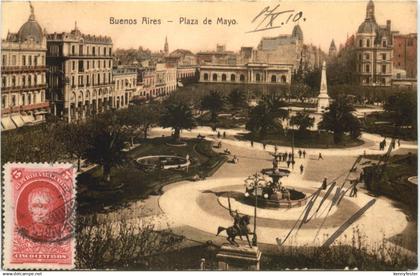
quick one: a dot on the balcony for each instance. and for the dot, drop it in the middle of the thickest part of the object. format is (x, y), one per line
(24, 88)
(22, 69)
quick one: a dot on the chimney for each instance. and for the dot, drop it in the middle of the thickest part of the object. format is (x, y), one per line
(388, 25)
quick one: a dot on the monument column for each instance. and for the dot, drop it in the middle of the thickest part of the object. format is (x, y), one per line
(323, 98)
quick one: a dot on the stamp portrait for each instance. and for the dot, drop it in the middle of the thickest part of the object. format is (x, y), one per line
(39, 213)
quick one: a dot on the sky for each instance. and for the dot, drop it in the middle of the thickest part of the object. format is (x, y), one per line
(324, 20)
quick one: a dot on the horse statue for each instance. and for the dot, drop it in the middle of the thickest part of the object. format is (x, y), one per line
(240, 228)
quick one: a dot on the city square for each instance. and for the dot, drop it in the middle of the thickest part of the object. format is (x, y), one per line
(275, 155)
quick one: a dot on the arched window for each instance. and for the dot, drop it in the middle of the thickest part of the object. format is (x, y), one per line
(257, 77)
(360, 43)
(242, 77)
(273, 78)
(283, 79)
(367, 68)
(223, 77)
(232, 77)
(214, 77)
(206, 76)
(368, 43)
(384, 43)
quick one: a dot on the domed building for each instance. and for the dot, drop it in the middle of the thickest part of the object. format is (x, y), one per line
(23, 99)
(374, 44)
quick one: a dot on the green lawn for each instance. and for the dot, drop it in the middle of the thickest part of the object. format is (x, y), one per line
(129, 182)
(226, 119)
(310, 139)
(381, 123)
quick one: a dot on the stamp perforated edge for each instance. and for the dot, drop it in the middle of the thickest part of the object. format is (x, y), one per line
(8, 222)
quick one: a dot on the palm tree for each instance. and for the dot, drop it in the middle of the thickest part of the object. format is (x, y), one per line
(105, 143)
(177, 116)
(213, 102)
(303, 121)
(237, 99)
(340, 119)
(265, 115)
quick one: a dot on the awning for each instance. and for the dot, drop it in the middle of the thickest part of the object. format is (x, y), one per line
(7, 123)
(28, 118)
(17, 119)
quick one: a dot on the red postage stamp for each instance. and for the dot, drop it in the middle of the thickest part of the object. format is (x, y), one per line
(39, 216)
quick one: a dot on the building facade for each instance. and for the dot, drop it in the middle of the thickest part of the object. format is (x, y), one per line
(23, 69)
(374, 51)
(257, 73)
(80, 74)
(125, 86)
(405, 54)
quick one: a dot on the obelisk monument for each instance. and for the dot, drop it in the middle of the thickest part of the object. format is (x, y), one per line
(323, 98)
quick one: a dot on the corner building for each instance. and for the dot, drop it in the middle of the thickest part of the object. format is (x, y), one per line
(80, 74)
(23, 86)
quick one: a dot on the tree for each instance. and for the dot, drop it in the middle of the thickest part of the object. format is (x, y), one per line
(74, 137)
(339, 119)
(106, 142)
(402, 109)
(213, 102)
(265, 115)
(300, 90)
(303, 121)
(177, 116)
(237, 99)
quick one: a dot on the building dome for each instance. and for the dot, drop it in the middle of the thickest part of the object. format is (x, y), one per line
(368, 27)
(31, 30)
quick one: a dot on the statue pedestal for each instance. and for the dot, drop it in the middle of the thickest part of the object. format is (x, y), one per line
(238, 258)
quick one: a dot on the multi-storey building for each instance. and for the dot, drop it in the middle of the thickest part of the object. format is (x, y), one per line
(405, 54)
(23, 86)
(80, 74)
(125, 85)
(374, 44)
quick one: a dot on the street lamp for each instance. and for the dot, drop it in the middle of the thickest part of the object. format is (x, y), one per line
(255, 182)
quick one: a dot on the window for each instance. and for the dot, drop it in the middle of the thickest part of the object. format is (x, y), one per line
(384, 56)
(368, 43)
(384, 43)
(88, 64)
(206, 76)
(257, 77)
(13, 60)
(367, 56)
(81, 69)
(283, 79)
(29, 98)
(384, 68)
(110, 51)
(223, 77)
(35, 80)
(214, 77)
(13, 100)
(367, 68)
(73, 65)
(273, 78)
(232, 77)
(23, 99)
(23, 81)
(3, 101)
(360, 56)
(3, 60)
(80, 50)
(242, 77)
(73, 50)
(109, 64)
(360, 43)
(30, 60)
(29, 80)
(104, 64)
(3, 81)
(94, 51)
(13, 81)
(104, 51)
(24, 60)
(35, 60)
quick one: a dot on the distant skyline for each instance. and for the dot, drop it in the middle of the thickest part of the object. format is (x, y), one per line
(324, 21)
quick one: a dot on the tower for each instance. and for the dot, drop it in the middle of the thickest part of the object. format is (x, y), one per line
(166, 47)
(323, 98)
(332, 51)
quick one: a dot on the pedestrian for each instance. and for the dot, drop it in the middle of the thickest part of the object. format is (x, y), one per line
(384, 141)
(218, 134)
(301, 169)
(300, 153)
(224, 134)
(252, 143)
(393, 144)
(290, 156)
(304, 154)
(288, 163)
(324, 183)
(264, 145)
(275, 149)
(364, 153)
(320, 156)
(399, 142)
(293, 164)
